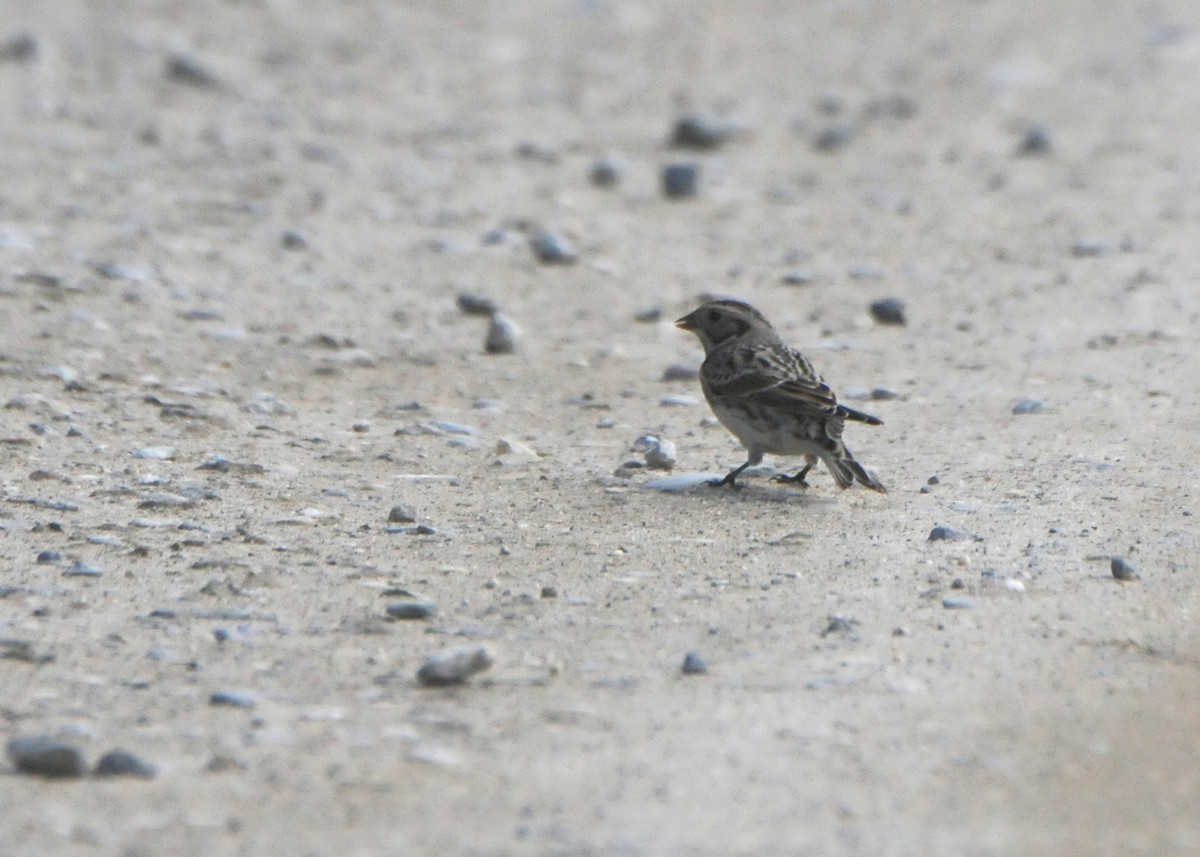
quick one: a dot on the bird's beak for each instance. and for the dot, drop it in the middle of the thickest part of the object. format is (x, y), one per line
(686, 323)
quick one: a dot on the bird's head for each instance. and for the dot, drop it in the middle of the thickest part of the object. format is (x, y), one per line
(718, 322)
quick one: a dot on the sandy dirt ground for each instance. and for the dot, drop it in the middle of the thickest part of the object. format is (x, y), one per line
(238, 228)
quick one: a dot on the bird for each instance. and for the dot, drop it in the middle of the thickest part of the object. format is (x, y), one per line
(770, 397)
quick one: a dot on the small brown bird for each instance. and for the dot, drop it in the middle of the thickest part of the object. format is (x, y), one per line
(770, 396)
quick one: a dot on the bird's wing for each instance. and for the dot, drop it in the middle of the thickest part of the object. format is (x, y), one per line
(780, 377)
(776, 377)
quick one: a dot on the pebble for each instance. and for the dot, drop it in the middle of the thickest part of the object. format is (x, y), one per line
(49, 556)
(678, 401)
(402, 515)
(471, 304)
(232, 698)
(411, 610)
(1028, 406)
(79, 568)
(889, 311)
(502, 335)
(680, 181)
(122, 763)
(449, 668)
(702, 132)
(1035, 142)
(186, 69)
(1085, 247)
(45, 756)
(833, 137)
(681, 372)
(661, 455)
(553, 249)
(20, 47)
(957, 603)
(839, 624)
(155, 453)
(949, 534)
(549, 591)
(648, 314)
(694, 664)
(605, 172)
(293, 239)
(797, 278)
(1123, 570)
(605, 423)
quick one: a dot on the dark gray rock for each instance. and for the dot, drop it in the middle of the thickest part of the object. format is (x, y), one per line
(1028, 406)
(702, 132)
(694, 664)
(889, 311)
(957, 603)
(232, 698)
(122, 763)
(403, 610)
(550, 248)
(1035, 142)
(402, 515)
(502, 335)
(834, 136)
(1123, 569)
(949, 534)
(605, 172)
(46, 757)
(680, 181)
(471, 304)
(450, 668)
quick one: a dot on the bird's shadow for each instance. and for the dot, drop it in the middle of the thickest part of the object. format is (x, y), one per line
(753, 490)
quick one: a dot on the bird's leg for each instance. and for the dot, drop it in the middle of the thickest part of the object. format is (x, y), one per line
(798, 479)
(730, 478)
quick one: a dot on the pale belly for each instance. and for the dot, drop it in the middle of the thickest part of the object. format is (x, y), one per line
(764, 430)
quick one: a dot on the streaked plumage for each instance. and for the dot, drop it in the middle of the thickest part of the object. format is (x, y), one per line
(770, 397)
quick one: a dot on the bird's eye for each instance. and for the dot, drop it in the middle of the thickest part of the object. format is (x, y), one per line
(713, 315)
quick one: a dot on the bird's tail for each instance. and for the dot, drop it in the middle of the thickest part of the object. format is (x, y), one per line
(846, 471)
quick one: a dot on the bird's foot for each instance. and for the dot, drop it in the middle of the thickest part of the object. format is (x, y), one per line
(798, 479)
(728, 480)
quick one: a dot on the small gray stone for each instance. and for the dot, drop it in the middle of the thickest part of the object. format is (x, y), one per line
(502, 335)
(702, 132)
(681, 372)
(20, 47)
(411, 610)
(680, 181)
(1123, 570)
(889, 311)
(293, 239)
(834, 136)
(1028, 406)
(839, 624)
(402, 515)
(1035, 142)
(549, 591)
(661, 455)
(648, 314)
(449, 668)
(49, 556)
(797, 278)
(678, 401)
(122, 763)
(957, 603)
(949, 534)
(551, 248)
(694, 664)
(605, 172)
(471, 304)
(232, 698)
(155, 453)
(186, 69)
(79, 568)
(45, 756)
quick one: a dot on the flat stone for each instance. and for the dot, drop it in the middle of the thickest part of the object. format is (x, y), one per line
(46, 757)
